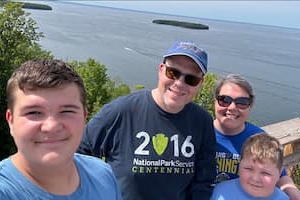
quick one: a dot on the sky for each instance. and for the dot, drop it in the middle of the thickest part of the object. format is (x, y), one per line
(275, 13)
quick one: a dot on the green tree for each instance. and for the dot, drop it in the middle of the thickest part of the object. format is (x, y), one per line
(117, 88)
(95, 78)
(2, 2)
(100, 88)
(205, 97)
(18, 42)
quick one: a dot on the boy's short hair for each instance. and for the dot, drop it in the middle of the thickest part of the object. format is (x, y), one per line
(42, 74)
(263, 148)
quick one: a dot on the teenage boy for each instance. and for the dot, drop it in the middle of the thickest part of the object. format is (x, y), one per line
(46, 115)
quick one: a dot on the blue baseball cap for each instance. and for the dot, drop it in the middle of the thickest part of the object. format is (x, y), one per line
(191, 50)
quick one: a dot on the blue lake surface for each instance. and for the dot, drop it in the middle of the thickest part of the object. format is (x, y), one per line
(131, 47)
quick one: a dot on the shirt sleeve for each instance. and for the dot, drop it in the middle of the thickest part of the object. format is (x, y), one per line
(205, 168)
(96, 139)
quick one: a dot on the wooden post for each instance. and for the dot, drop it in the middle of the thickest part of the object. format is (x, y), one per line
(288, 134)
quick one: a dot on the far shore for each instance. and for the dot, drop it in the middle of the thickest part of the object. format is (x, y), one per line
(182, 24)
(38, 6)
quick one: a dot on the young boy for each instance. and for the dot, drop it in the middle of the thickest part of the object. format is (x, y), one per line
(259, 171)
(46, 115)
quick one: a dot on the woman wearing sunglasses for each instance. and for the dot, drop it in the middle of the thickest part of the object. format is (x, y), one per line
(159, 143)
(234, 98)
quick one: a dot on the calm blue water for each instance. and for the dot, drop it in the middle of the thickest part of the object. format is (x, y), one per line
(131, 46)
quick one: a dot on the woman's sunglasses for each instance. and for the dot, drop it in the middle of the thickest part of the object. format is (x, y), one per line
(175, 74)
(240, 102)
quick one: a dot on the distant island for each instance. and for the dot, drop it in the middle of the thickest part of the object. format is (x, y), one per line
(181, 24)
(36, 6)
(28, 5)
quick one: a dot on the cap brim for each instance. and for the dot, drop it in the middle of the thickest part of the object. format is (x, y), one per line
(200, 65)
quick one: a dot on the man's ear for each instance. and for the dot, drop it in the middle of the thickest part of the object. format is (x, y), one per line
(203, 80)
(9, 119)
(161, 67)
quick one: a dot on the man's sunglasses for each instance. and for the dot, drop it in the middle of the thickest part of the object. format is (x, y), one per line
(240, 102)
(175, 74)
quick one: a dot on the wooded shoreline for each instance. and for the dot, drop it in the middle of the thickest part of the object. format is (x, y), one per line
(181, 24)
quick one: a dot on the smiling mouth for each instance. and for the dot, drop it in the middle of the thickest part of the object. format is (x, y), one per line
(50, 141)
(178, 93)
(230, 116)
(255, 186)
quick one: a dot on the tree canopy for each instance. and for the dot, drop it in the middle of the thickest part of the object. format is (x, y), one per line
(19, 38)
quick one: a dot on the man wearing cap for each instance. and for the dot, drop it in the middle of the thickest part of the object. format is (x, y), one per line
(159, 143)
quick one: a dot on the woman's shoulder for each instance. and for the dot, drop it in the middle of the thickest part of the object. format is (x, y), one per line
(280, 195)
(253, 129)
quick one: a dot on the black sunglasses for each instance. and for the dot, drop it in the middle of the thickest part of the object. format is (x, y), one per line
(175, 74)
(240, 102)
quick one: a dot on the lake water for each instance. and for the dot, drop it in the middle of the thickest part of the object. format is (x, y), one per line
(131, 47)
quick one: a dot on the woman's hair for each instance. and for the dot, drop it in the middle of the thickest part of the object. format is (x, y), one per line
(235, 79)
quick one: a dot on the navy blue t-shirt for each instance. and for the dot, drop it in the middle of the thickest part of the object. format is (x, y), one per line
(154, 154)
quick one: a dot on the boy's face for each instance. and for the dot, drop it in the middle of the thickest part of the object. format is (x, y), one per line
(47, 125)
(258, 179)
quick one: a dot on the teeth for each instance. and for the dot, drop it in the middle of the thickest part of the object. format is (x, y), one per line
(231, 116)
